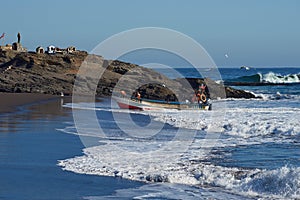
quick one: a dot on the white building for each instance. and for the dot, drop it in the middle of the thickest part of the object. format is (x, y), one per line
(51, 49)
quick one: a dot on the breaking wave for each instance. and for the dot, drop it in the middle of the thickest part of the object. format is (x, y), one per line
(194, 168)
(108, 160)
(277, 78)
(268, 78)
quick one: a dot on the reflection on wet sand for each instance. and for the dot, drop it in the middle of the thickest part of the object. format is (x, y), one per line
(49, 109)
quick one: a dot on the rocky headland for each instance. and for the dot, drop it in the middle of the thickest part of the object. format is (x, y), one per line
(29, 72)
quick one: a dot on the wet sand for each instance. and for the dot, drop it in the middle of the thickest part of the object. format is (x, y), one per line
(31, 143)
(9, 102)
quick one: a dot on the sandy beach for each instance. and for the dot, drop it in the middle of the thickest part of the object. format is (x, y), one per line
(10, 101)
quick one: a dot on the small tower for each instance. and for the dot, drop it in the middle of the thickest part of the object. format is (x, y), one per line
(19, 37)
(17, 46)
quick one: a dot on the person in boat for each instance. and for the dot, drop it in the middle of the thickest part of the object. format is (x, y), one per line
(202, 94)
(204, 89)
(123, 93)
(139, 96)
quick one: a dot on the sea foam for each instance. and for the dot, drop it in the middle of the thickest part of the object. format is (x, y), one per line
(128, 158)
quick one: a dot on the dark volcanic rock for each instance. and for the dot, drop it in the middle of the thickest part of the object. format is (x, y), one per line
(55, 74)
(38, 73)
(218, 90)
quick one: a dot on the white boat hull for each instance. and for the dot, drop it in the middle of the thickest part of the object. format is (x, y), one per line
(143, 104)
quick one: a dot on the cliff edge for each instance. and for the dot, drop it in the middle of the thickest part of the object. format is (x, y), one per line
(55, 74)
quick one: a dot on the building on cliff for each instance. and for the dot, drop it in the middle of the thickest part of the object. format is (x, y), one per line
(7, 47)
(39, 50)
(71, 49)
(51, 49)
(18, 47)
(14, 47)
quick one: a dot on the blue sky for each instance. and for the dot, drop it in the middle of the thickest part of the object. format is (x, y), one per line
(252, 32)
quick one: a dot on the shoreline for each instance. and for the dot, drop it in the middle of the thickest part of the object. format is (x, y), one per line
(31, 145)
(9, 102)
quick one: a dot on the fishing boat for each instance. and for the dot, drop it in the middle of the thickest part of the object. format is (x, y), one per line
(148, 104)
(245, 67)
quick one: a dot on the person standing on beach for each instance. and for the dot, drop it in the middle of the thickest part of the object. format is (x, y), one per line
(19, 37)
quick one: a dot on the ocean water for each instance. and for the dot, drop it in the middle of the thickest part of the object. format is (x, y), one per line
(30, 147)
(287, 78)
(242, 149)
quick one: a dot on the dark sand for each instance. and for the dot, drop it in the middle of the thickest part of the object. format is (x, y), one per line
(10, 101)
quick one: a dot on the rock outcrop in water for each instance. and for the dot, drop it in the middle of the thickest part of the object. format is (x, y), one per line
(55, 74)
